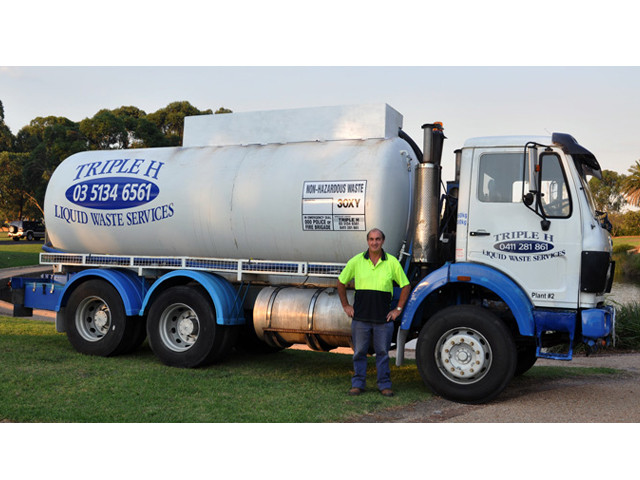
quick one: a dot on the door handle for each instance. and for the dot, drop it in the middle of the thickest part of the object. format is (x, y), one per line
(480, 234)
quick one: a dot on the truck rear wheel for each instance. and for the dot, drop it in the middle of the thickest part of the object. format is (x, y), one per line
(466, 354)
(96, 322)
(182, 329)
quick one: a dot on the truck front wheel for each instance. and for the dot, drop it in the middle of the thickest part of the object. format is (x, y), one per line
(96, 322)
(466, 354)
(182, 328)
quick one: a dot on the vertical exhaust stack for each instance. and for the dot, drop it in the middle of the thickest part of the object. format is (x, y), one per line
(427, 196)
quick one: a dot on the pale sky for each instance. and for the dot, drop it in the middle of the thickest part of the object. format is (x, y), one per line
(599, 106)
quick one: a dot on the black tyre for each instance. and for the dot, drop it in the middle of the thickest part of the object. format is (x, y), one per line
(16, 239)
(526, 357)
(30, 236)
(466, 354)
(96, 323)
(182, 328)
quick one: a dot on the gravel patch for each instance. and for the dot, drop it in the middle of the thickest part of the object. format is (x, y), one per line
(607, 398)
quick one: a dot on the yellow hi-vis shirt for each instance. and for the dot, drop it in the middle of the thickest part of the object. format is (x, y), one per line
(373, 284)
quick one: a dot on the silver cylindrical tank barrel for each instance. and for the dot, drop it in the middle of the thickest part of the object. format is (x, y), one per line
(306, 201)
(286, 316)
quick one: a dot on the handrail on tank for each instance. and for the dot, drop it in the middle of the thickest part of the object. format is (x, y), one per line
(225, 265)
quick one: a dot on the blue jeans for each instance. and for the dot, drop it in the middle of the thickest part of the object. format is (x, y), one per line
(361, 334)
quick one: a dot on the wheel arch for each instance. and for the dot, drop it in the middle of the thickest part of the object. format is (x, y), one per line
(224, 297)
(452, 276)
(129, 286)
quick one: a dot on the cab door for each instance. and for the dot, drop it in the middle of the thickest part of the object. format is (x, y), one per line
(539, 246)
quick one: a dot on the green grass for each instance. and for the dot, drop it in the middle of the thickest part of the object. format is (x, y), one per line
(18, 254)
(43, 379)
(633, 241)
(628, 326)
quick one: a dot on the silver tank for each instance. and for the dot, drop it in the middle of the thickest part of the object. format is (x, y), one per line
(285, 316)
(308, 200)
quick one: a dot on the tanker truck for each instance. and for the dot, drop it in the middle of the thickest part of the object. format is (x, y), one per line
(236, 240)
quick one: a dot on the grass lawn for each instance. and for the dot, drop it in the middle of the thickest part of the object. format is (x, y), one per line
(43, 380)
(633, 241)
(18, 254)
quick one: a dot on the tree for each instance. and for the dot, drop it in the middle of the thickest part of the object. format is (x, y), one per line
(607, 193)
(47, 141)
(625, 224)
(16, 202)
(7, 140)
(104, 131)
(170, 120)
(142, 133)
(631, 185)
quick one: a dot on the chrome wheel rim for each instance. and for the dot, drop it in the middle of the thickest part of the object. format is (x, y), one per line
(179, 327)
(93, 319)
(463, 355)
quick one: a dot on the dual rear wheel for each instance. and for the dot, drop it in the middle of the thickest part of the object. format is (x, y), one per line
(96, 322)
(182, 329)
(181, 325)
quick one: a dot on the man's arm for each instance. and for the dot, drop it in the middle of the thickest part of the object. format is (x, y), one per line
(404, 296)
(342, 293)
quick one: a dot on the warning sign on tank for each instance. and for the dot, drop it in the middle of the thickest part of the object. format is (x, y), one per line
(334, 205)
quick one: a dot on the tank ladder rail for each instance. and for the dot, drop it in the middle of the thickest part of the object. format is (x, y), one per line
(220, 265)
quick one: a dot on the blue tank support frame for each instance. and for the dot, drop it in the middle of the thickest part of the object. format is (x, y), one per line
(136, 292)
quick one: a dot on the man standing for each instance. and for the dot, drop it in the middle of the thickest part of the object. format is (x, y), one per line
(374, 272)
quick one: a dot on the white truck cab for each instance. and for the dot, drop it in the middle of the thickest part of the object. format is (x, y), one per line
(548, 247)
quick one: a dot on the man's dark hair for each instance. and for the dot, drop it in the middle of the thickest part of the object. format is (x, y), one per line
(375, 230)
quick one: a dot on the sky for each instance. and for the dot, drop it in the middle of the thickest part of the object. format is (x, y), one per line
(599, 106)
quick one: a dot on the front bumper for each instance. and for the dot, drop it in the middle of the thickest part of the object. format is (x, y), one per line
(598, 325)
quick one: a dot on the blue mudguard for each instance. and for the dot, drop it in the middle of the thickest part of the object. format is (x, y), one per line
(130, 286)
(481, 275)
(225, 298)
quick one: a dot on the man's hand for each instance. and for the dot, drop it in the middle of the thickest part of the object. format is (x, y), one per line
(393, 315)
(348, 309)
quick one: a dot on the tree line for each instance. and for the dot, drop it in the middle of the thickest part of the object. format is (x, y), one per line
(614, 193)
(28, 158)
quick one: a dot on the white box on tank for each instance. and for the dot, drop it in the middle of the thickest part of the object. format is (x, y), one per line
(354, 122)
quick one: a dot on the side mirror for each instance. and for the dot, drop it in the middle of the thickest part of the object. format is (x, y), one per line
(532, 162)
